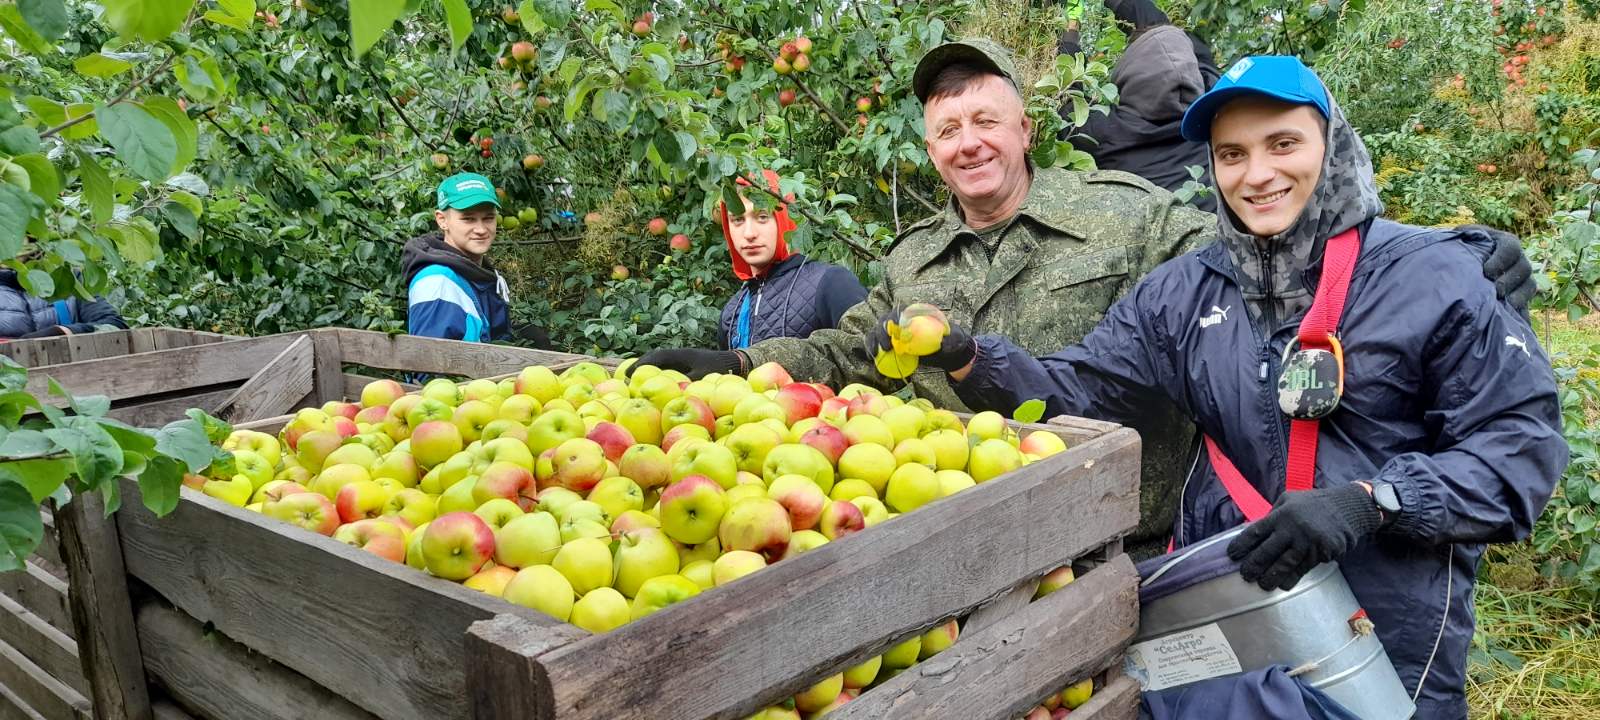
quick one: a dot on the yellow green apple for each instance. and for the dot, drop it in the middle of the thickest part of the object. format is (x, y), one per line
(601, 610)
(542, 588)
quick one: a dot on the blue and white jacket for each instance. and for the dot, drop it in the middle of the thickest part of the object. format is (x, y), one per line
(451, 296)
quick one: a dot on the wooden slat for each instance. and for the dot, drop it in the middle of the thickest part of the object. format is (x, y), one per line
(50, 545)
(1118, 700)
(382, 635)
(41, 593)
(167, 337)
(432, 355)
(142, 340)
(101, 611)
(503, 679)
(13, 708)
(216, 677)
(328, 371)
(52, 650)
(162, 371)
(999, 672)
(164, 710)
(274, 389)
(156, 413)
(46, 695)
(713, 657)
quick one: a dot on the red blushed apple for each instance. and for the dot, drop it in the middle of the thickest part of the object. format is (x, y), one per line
(280, 492)
(822, 390)
(685, 410)
(372, 415)
(834, 408)
(614, 439)
(360, 500)
(867, 404)
(505, 480)
(309, 510)
(679, 432)
(193, 481)
(345, 426)
(769, 376)
(801, 498)
(758, 524)
(337, 408)
(799, 401)
(828, 439)
(840, 519)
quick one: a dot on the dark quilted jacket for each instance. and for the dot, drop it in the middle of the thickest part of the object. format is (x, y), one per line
(797, 297)
(22, 313)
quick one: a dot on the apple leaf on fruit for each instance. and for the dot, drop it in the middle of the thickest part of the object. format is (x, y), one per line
(20, 525)
(186, 441)
(1029, 412)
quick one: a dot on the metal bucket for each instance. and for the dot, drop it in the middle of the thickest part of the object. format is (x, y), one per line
(1222, 625)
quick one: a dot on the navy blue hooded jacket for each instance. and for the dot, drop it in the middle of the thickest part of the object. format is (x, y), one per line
(452, 297)
(795, 298)
(1448, 396)
(22, 313)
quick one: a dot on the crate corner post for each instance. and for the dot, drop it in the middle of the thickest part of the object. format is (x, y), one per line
(102, 611)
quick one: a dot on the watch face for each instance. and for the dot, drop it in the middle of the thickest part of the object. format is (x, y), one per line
(1384, 495)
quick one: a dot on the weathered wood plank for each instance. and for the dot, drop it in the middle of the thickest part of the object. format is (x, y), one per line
(997, 673)
(328, 366)
(1000, 607)
(218, 678)
(1118, 700)
(502, 678)
(167, 337)
(157, 413)
(46, 695)
(13, 708)
(382, 635)
(41, 593)
(162, 371)
(432, 355)
(50, 545)
(916, 571)
(102, 614)
(93, 346)
(164, 710)
(52, 650)
(274, 389)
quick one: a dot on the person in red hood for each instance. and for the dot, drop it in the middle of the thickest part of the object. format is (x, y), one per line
(784, 294)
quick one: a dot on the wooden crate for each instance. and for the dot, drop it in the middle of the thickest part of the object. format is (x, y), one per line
(152, 376)
(235, 615)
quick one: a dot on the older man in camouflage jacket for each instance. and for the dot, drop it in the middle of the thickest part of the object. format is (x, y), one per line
(1035, 254)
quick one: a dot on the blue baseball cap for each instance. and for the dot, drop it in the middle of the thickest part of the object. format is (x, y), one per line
(465, 190)
(1282, 77)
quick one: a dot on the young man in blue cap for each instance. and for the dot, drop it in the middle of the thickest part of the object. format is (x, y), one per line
(452, 290)
(1364, 395)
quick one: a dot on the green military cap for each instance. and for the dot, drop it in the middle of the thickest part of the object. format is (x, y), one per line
(982, 52)
(465, 190)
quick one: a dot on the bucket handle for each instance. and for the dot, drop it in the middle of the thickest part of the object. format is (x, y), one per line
(1191, 550)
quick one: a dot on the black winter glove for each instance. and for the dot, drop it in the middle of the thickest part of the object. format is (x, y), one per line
(955, 351)
(1304, 530)
(694, 362)
(1507, 267)
(51, 331)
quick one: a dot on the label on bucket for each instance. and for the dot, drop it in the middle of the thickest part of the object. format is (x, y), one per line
(1181, 658)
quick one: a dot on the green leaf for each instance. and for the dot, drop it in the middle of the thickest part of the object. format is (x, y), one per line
(87, 128)
(159, 484)
(1029, 412)
(20, 526)
(131, 439)
(370, 19)
(188, 200)
(185, 440)
(16, 207)
(459, 18)
(216, 429)
(19, 30)
(234, 13)
(101, 65)
(166, 110)
(569, 69)
(37, 282)
(578, 93)
(532, 21)
(143, 143)
(182, 219)
(200, 77)
(606, 6)
(46, 17)
(96, 187)
(25, 443)
(97, 457)
(136, 240)
(42, 176)
(148, 20)
(19, 140)
(40, 476)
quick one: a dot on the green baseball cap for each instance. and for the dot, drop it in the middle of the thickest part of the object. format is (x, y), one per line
(465, 190)
(982, 52)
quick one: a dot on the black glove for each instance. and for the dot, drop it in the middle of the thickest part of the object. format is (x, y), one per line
(51, 331)
(694, 362)
(1304, 530)
(1507, 266)
(955, 351)
(533, 335)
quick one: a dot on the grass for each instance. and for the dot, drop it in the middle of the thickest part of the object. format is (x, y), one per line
(1536, 652)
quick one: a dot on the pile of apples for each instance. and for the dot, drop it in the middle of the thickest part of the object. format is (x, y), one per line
(1062, 704)
(599, 498)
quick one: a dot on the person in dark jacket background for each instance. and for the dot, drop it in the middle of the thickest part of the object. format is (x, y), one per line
(452, 291)
(1444, 433)
(23, 315)
(1161, 71)
(784, 294)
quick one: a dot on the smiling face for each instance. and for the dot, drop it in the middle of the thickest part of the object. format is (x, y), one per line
(978, 141)
(470, 231)
(755, 235)
(1267, 157)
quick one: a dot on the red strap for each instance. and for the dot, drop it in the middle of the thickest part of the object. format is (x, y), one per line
(1322, 320)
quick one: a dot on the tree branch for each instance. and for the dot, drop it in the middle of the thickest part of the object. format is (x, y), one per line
(121, 97)
(397, 109)
(814, 220)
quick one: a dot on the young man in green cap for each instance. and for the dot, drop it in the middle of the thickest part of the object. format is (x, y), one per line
(452, 290)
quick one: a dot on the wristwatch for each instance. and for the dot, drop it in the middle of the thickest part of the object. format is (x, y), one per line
(1387, 500)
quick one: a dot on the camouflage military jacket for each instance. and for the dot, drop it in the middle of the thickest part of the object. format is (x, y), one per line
(1080, 241)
